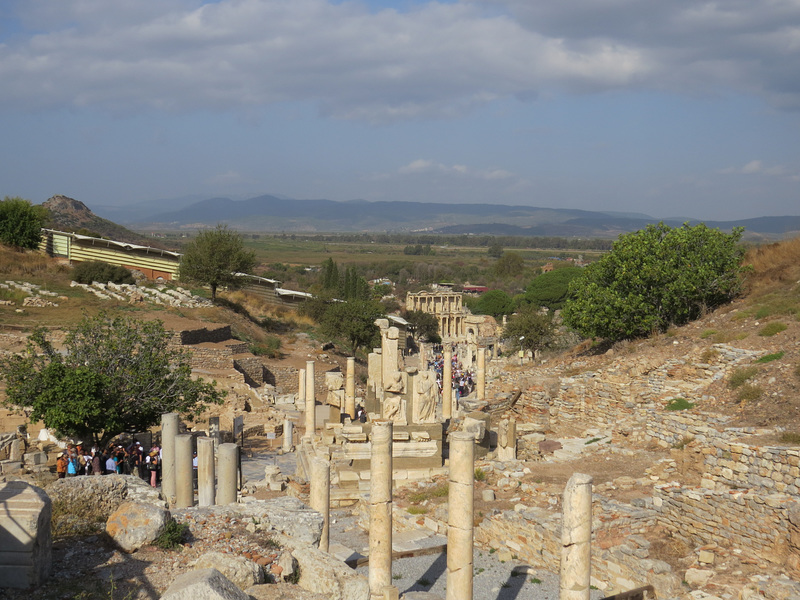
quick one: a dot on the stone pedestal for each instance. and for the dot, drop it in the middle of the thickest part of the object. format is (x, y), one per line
(350, 388)
(480, 374)
(460, 517)
(288, 436)
(380, 507)
(169, 429)
(311, 401)
(25, 542)
(576, 536)
(447, 386)
(321, 496)
(227, 488)
(507, 440)
(184, 472)
(206, 472)
(213, 431)
(15, 451)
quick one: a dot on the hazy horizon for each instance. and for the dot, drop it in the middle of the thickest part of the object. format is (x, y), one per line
(672, 108)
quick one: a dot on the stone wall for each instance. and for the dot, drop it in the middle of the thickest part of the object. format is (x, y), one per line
(199, 336)
(743, 519)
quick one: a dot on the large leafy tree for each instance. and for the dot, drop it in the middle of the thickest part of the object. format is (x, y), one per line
(530, 329)
(551, 289)
(214, 257)
(353, 321)
(21, 223)
(118, 374)
(425, 325)
(494, 302)
(654, 278)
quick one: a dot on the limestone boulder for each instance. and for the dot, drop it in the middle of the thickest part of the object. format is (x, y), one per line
(104, 494)
(290, 517)
(203, 584)
(242, 572)
(135, 524)
(698, 577)
(282, 591)
(323, 574)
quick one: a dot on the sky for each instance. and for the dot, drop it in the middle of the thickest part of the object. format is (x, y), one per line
(672, 108)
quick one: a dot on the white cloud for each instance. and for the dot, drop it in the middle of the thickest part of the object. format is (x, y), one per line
(436, 60)
(425, 166)
(757, 167)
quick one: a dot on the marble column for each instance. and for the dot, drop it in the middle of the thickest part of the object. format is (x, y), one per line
(389, 352)
(480, 373)
(169, 429)
(184, 488)
(576, 536)
(288, 436)
(460, 516)
(311, 401)
(321, 496)
(301, 387)
(380, 507)
(206, 472)
(447, 385)
(350, 388)
(228, 474)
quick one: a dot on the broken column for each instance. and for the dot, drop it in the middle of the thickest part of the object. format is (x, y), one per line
(321, 496)
(447, 385)
(380, 507)
(390, 338)
(25, 539)
(206, 472)
(311, 402)
(481, 374)
(227, 488)
(169, 429)
(184, 488)
(301, 387)
(350, 388)
(213, 431)
(576, 535)
(288, 436)
(460, 518)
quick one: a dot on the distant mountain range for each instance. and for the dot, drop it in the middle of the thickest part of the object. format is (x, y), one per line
(274, 214)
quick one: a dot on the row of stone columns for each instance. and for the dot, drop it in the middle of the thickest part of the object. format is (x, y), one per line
(576, 530)
(214, 486)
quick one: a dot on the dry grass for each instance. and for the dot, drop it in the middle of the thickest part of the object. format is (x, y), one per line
(28, 263)
(774, 266)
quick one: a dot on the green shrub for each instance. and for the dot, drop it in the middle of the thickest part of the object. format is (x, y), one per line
(679, 404)
(708, 355)
(592, 441)
(417, 510)
(271, 348)
(749, 393)
(773, 328)
(172, 536)
(87, 272)
(770, 357)
(740, 376)
(708, 333)
(480, 474)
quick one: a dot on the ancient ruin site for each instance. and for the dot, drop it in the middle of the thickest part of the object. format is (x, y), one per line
(665, 467)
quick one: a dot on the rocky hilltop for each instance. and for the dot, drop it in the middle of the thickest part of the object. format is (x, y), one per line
(68, 214)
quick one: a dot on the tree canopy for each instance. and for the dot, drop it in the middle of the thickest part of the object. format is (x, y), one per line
(118, 374)
(21, 223)
(353, 321)
(214, 257)
(494, 302)
(529, 329)
(550, 289)
(425, 325)
(654, 278)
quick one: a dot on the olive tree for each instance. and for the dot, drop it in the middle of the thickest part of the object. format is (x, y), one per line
(214, 257)
(118, 374)
(654, 278)
(21, 223)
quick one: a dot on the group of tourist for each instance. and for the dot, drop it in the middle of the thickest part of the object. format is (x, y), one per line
(78, 459)
(463, 380)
